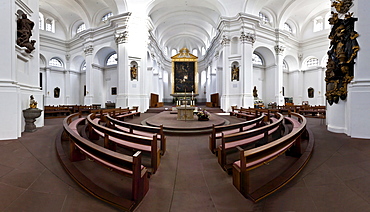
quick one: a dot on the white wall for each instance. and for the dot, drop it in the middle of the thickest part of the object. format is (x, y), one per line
(259, 82)
(111, 80)
(75, 91)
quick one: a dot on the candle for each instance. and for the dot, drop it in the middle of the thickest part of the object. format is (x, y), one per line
(192, 95)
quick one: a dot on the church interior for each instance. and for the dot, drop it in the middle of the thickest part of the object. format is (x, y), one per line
(160, 105)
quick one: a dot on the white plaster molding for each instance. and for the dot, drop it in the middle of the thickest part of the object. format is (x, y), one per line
(96, 66)
(248, 37)
(24, 7)
(279, 49)
(225, 40)
(88, 50)
(121, 37)
(22, 54)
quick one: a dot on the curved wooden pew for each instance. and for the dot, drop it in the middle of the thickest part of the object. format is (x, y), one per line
(126, 140)
(260, 134)
(259, 156)
(126, 165)
(218, 131)
(247, 113)
(138, 129)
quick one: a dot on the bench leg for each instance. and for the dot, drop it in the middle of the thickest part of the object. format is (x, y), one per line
(109, 144)
(74, 152)
(156, 160)
(295, 150)
(221, 154)
(163, 145)
(244, 183)
(212, 145)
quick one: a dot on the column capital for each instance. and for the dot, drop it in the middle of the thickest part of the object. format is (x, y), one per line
(248, 37)
(225, 40)
(88, 50)
(121, 37)
(279, 49)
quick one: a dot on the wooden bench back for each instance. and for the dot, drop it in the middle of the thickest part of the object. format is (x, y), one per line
(139, 127)
(216, 129)
(252, 155)
(121, 135)
(253, 132)
(117, 162)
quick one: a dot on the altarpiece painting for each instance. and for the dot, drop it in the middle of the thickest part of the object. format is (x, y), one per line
(184, 72)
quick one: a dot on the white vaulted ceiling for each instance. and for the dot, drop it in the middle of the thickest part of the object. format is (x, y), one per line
(185, 23)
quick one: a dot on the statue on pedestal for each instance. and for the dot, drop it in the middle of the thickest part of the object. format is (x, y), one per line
(24, 33)
(33, 103)
(30, 114)
(255, 94)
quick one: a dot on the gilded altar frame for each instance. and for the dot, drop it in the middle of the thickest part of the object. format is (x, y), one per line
(184, 72)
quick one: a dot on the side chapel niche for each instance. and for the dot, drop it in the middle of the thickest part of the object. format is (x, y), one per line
(235, 71)
(134, 70)
(342, 52)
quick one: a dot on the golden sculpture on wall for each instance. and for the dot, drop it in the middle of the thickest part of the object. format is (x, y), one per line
(133, 72)
(235, 73)
(184, 72)
(342, 52)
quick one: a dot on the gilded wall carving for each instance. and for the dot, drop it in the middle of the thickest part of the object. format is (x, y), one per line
(342, 52)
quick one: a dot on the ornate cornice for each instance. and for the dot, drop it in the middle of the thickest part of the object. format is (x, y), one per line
(249, 37)
(88, 50)
(96, 66)
(121, 37)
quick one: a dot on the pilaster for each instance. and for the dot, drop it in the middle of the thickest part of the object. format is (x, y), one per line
(122, 69)
(247, 40)
(226, 75)
(88, 50)
(279, 50)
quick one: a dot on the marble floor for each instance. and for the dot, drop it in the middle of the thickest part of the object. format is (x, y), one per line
(337, 178)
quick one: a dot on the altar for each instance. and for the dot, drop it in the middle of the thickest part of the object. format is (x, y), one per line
(185, 113)
(184, 98)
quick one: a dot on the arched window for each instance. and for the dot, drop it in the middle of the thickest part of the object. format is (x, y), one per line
(112, 59)
(285, 66)
(318, 24)
(173, 52)
(83, 66)
(41, 21)
(203, 51)
(264, 17)
(106, 16)
(49, 25)
(312, 62)
(55, 62)
(195, 52)
(287, 27)
(81, 28)
(256, 59)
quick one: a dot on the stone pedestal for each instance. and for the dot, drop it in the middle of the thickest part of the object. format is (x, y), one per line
(30, 116)
(185, 113)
